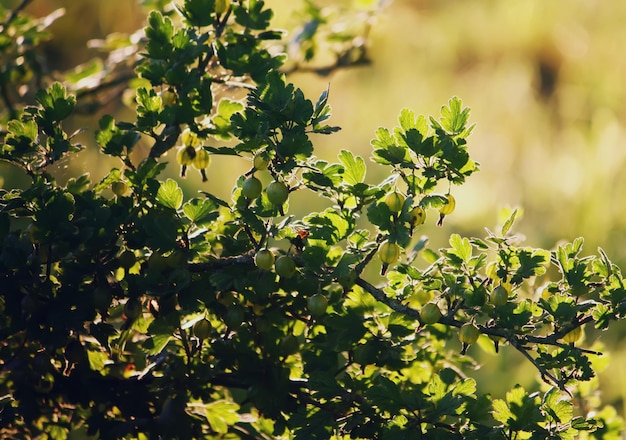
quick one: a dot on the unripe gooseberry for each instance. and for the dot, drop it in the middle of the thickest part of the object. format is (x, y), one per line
(277, 193)
(430, 313)
(264, 259)
(573, 336)
(389, 252)
(251, 188)
(285, 266)
(317, 304)
(202, 329)
(499, 295)
(190, 139)
(395, 201)
(417, 216)
(202, 159)
(185, 155)
(119, 187)
(469, 333)
(132, 309)
(261, 161)
(448, 207)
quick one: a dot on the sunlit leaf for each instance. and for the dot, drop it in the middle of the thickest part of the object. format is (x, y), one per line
(197, 209)
(354, 167)
(169, 194)
(221, 414)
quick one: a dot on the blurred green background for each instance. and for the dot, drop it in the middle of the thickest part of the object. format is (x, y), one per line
(546, 84)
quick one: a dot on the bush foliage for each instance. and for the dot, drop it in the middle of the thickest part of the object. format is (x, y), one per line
(129, 310)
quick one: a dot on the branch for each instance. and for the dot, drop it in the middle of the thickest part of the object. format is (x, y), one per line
(167, 139)
(392, 303)
(247, 259)
(546, 376)
(122, 79)
(13, 15)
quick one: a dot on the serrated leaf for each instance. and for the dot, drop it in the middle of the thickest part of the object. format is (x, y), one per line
(221, 414)
(354, 167)
(383, 138)
(222, 120)
(26, 129)
(433, 201)
(501, 411)
(329, 226)
(462, 247)
(436, 388)
(169, 194)
(197, 209)
(560, 410)
(453, 116)
(466, 388)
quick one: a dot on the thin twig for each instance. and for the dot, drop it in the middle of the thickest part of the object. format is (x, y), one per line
(13, 15)
(105, 85)
(545, 374)
(392, 303)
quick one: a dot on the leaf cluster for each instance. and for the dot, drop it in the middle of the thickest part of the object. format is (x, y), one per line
(102, 283)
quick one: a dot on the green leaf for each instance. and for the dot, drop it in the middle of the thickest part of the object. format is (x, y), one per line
(27, 129)
(461, 246)
(559, 410)
(354, 167)
(57, 210)
(508, 223)
(330, 175)
(198, 13)
(156, 343)
(384, 144)
(55, 102)
(159, 32)
(430, 256)
(501, 411)
(294, 144)
(221, 414)
(222, 120)
(78, 185)
(466, 388)
(97, 360)
(531, 263)
(408, 121)
(379, 214)
(148, 101)
(329, 226)
(86, 74)
(253, 16)
(454, 116)
(321, 111)
(169, 194)
(198, 210)
(112, 139)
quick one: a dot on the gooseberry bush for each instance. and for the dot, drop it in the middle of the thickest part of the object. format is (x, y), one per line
(131, 311)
